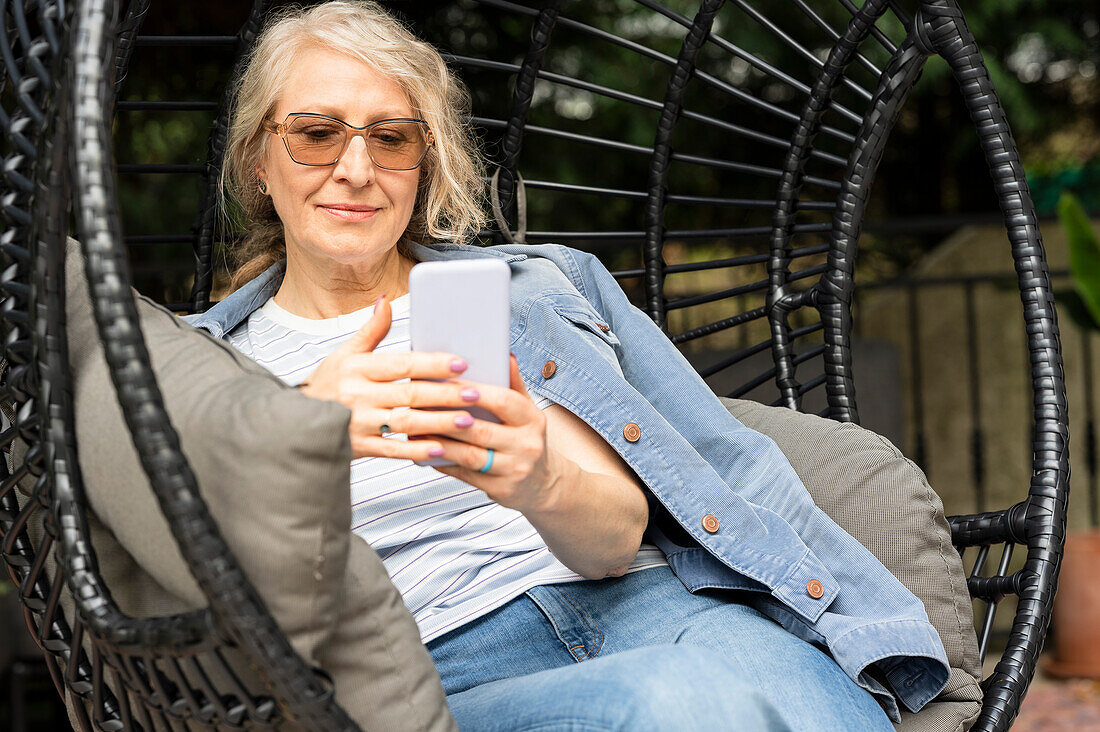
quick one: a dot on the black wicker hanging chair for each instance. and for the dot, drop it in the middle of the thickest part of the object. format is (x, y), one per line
(814, 139)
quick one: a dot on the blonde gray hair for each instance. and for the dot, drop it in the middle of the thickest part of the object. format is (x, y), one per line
(449, 204)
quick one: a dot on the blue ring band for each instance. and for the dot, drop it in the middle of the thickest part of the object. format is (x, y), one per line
(488, 464)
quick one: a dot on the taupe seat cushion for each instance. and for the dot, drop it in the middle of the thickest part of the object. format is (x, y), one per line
(273, 467)
(882, 499)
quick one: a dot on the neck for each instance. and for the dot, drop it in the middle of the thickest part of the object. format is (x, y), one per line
(318, 289)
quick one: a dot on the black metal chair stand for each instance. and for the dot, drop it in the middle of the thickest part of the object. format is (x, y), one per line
(818, 155)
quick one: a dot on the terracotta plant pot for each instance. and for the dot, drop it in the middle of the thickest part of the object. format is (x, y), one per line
(1077, 608)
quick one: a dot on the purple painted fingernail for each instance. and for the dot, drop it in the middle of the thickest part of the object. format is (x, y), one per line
(436, 452)
(469, 395)
(464, 420)
(458, 365)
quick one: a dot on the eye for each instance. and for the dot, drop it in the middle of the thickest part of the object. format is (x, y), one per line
(318, 132)
(389, 136)
(314, 131)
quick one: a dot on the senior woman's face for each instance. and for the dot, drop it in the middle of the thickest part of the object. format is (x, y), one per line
(352, 210)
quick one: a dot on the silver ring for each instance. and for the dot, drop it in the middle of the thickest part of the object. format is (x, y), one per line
(489, 464)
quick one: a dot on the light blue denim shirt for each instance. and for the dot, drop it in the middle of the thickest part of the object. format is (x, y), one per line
(616, 368)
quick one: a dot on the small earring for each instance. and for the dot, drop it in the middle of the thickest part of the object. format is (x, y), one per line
(263, 187)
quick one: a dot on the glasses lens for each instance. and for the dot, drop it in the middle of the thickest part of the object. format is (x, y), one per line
(397, 145)
(315, 140)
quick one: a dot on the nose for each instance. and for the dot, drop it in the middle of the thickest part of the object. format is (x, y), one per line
(355, 165)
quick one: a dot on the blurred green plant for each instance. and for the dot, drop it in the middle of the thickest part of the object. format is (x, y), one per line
(1048, 184)
(1082, 304)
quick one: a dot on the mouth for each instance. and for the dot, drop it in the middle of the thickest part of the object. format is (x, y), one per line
(348, 212)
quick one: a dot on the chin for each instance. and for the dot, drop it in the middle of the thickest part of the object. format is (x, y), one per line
(351, 249)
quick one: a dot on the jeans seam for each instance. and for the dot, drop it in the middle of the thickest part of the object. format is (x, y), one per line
(585, 618)
(559, 630)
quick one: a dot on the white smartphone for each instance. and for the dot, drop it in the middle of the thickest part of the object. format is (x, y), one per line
(463, 307)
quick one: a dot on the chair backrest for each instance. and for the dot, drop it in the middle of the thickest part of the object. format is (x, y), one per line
(752, 137)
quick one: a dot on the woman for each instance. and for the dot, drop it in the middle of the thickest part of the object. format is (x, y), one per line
(524, 564)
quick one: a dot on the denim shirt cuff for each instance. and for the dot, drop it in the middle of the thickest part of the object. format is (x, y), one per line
(916, 668)
(808, 588)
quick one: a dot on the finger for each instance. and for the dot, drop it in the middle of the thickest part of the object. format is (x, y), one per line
(415, 423)
(368, 337)
(376, 446)
(512, 407)
(516, 452)
(475, 458)
(420, 394)
(408, 365)
(483, 434)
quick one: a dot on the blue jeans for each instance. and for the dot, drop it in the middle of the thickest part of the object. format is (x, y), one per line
(641, 653)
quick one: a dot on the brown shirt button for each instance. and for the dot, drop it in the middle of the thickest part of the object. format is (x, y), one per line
(815, 589)
(710, 523)
(548, 369)
(632, 432)
(602, 327)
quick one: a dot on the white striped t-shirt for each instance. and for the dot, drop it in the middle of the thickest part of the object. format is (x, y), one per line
(452, 553)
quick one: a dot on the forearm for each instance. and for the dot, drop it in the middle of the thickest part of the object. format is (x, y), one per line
(593, 523)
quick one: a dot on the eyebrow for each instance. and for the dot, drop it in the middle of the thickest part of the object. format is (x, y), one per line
(333, 112)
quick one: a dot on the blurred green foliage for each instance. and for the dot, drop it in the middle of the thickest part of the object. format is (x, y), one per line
(1084, 262)
(1047, 188)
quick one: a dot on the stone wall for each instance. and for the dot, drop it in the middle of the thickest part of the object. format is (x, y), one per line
(1004, 390)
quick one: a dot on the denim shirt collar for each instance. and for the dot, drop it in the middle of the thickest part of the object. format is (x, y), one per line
(226, 315)
(438, 252)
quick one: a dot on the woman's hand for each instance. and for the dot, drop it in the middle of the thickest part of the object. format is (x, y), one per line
(583, 499)
(590, 508)
(369, 385)
(524, 474)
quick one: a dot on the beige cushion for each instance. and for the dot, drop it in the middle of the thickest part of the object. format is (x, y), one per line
(273, 467)
(882, 499)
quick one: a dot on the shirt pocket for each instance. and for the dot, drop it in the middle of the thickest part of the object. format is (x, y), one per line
(587, 319)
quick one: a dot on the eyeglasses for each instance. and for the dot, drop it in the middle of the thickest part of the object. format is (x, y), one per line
(317, 139)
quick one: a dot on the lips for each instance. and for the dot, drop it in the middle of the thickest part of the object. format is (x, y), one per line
(348, 212)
